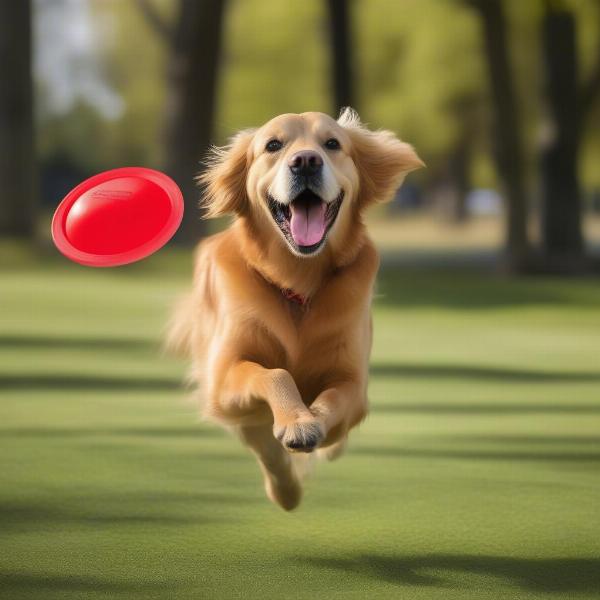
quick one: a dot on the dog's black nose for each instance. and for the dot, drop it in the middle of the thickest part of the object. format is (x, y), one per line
(305, 162)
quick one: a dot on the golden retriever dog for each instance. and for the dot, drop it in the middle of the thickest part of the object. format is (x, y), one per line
(278, 324)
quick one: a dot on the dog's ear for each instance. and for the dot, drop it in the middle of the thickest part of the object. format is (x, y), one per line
(224, 179)
(381, 158)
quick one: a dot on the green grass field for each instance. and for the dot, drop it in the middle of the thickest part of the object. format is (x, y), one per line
(475, 476)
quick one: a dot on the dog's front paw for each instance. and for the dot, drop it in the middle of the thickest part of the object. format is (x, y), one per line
(300, 436)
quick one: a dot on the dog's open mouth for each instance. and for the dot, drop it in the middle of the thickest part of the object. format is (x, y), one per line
(306, 221)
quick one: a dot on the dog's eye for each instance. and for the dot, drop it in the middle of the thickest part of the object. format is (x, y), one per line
(273, 146)
(332, 144)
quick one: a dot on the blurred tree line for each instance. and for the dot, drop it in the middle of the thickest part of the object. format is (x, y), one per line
(494, 93)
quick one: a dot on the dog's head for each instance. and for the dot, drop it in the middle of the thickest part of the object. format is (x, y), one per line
(306, 176)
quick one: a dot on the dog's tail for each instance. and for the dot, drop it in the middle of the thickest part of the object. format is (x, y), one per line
(179, 331)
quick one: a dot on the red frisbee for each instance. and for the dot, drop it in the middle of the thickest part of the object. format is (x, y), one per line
(117, 217)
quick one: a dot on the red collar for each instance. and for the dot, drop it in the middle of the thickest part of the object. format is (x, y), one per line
(292, 296)
(288, 293)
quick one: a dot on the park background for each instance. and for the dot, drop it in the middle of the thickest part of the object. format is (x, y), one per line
(476, 474)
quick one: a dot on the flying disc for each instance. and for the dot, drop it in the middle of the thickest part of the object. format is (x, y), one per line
(117, 217)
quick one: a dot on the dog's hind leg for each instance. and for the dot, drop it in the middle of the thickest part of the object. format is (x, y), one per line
(334, 451)
(282, 484)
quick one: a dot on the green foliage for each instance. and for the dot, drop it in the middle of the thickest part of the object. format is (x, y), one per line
(135, 66)
(420, 71)
(588, 25)
(416, 59)
(275, 61)
(138, 70)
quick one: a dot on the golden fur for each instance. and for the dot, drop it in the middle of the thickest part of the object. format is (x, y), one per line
(287, 378)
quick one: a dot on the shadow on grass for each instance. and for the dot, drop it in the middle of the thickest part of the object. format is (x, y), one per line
(500, 438)
(473, 408)
(115, 510)
(76, 343)
(48, 582)
(477, 454)
(487, 373)
(37, 381)
(564, 575)
(26, 518)
(70, 432)
(461, 290)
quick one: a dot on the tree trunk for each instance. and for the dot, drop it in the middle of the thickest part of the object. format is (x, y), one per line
(192, 73)
(17, 160)
(508, 150)
(340, 35)
(561, 198)
(459, 171)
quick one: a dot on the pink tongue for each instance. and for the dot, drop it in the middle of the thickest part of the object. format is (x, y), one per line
(308, 223)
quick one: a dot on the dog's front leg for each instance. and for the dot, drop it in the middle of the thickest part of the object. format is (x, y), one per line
(339, 409)
(247, 384)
